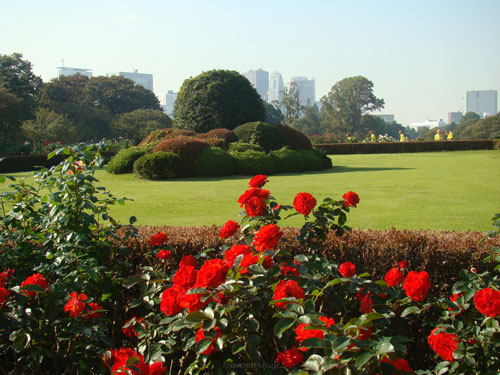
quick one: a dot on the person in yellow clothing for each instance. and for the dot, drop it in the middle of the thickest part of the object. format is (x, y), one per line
(402, 137)
(449, 135)
(373, 137)
(439, 136)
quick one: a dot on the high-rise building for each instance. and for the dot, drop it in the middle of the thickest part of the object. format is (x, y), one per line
(143, 79)
(454, 117)
(307, 90)
(276, 87)
(67, 71)
(482, 102)
(169, 102)
(259, 80)
(386, 118)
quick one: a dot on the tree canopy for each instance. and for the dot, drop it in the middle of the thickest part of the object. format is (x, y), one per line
(273, 114)
(10, 112)
(291, 103)
(217, 99)
(138, 124)
(347, 101)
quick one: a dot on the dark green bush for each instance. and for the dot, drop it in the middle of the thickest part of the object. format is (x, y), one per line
(188, 148)
(158, 166)
(242, 147)
(253, 162)
(296, 139)
(325, 160)
(267, 136)
(288, 160)
(123, 162)
(214, 162)
(312, 162)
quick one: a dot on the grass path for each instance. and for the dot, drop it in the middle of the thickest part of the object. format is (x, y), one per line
(440, 190)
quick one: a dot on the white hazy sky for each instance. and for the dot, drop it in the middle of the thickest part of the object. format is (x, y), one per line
(422, 56)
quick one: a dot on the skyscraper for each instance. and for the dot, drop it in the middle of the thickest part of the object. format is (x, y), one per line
(259, 80)
(307, 90)
(276, 87)
(482, 102)
(143, 79)
(169, 102)
(67, 71)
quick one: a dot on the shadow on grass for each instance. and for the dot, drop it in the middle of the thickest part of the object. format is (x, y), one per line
(343, 169)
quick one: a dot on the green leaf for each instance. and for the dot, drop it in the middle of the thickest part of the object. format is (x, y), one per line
(132, 220)
(130, 282)
(282, 326)
(203, 345)
(363, 358)
(21, 340)
(313, 362)
(410, 310)
(196, 316)
(314, 342)
(238, 346)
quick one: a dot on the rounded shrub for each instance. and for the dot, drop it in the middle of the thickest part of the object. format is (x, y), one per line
(123, 161)
(217, 99)
(288, 160)
(296, 139)
(227, 135)
(159, 135)
(265, 135)
(312, 162)
(325, 160)
(188, 148)
(242, 147)
(158, 166)
(253, 162)
(214, 162)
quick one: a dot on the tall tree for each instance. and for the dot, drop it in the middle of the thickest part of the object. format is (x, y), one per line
(290, 103)
(138, 124)
(17, 76)
(273, 113)
(310, 122)
(10, 113)
(347, 101)
(60, 92)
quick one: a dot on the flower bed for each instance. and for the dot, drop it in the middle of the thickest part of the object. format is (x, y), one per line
(75, 297)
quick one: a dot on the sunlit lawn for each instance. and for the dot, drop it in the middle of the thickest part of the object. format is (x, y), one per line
(440, 190)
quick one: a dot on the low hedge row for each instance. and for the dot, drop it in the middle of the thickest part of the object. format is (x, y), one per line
(25, 163)
(399, 147)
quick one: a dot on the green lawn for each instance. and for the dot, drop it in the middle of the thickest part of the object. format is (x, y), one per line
(441, 190)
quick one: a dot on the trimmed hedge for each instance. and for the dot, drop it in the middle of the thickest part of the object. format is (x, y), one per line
(225, 134)
(214, 162)
(253, 162)
(242, 147)
(288, 160)
(325, 160)
(398, 147)
(265, 135)
(296, 139)
(312, 162)
(158, 166)
(123, 162)
(187, 148)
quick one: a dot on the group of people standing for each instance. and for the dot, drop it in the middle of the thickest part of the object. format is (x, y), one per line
(440, 136)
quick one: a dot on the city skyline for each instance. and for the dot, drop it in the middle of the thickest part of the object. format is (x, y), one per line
(422, 57)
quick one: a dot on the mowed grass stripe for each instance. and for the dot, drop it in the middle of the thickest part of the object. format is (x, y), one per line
(438, 191)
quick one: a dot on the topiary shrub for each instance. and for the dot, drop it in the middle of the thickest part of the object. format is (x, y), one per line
(160, 135)
(288, 160)
(242, 147)
(158, 166)
(267, 136)
(225, 134)
(214, 162)
(312, 162)
(123, 161)
(187, 148)
(325, 160)
(296, 139)
(253, 162)
(217, 99)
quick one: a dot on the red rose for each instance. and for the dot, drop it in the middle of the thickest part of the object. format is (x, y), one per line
(157, 368)
(231, 254)
(417, 285)
(400, 364)
(4, 276)
(170, 301)
(250, 259)
(193, 302)
(394, 277)
(75, 305)
(255, 206)
(303, 333)
(286, 289)
(90, 314)
(365, 332)
(328, 321)
(211, 274)
(403, 264)
(122, 356)
(291, 357)
(185, 277)
(347, 269)
(36, 279)
(164, 254)
(454, 298)
(4, 296)
(258, 181)
(287, 270)
(188, 260)
(200, 335)
(351, 199)
(304, 203)
(487, 302)
(128, 328)
(267, 237)
(253, 192)
(444, 344)
(365, 301)
(158, 239)
(230, 228)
